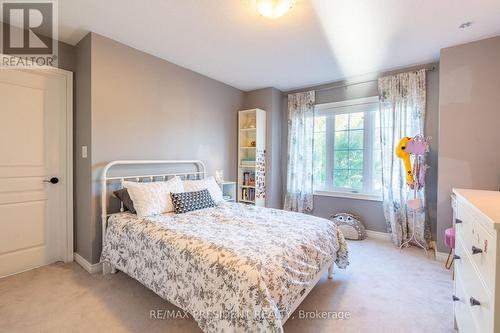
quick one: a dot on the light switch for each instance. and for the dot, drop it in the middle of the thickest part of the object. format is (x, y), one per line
(84, 151)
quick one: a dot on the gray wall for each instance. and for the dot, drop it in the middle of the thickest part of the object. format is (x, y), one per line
(469, 113)
(82, 137)
(269, 99)
(67, 57)
(142, 107)
(371, 211)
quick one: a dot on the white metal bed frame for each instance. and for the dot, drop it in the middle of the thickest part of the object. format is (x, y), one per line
(200, 174)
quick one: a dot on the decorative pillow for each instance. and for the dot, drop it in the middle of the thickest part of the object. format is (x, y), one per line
(153, 198)
(124, 197)
(350, 225)
(208, 183)
(189, 201)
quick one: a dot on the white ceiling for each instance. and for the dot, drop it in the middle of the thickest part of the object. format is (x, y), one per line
(318, 41)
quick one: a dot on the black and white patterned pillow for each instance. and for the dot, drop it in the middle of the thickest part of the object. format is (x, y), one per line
(189, 201)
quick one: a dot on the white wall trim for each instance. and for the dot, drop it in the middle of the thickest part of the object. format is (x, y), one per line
(378, 235)
(438, 256)
(91, 268)
(349, 102)
(349, 195)
(68, 77)
(68, 164)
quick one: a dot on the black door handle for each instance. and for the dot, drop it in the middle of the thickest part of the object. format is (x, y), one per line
(456, 257)
(53, 180)
(476, 250)
(455, 298)
(474, 302)
(458, 221)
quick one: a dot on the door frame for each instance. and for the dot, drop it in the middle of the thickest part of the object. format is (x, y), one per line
(68, 153)
(68, 172)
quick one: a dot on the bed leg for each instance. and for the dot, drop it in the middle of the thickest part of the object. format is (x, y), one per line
(108, 269)
(330, 272)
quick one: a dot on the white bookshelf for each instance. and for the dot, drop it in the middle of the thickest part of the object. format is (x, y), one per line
(252, 157)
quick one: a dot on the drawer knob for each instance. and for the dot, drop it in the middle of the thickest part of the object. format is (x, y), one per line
(456, 257)
(458, 221)
(455, 298)
(476, 250)
(474, 302)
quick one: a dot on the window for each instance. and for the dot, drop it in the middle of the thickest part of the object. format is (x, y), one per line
(347, 149)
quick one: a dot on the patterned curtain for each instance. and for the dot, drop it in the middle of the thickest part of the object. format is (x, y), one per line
(402, 113)
(299, 184)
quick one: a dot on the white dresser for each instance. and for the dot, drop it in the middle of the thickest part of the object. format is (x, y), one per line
(477, 272)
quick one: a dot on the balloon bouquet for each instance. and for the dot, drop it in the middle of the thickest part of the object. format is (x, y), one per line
(415, 175)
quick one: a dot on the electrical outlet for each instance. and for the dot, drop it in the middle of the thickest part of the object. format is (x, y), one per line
(84, 151)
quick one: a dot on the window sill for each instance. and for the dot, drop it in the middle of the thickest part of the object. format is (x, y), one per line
(349, 195)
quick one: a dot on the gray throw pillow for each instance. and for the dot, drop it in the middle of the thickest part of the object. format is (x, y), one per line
(189, 201)
(124, 197)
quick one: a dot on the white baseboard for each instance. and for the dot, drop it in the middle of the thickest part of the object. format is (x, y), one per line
(91, 268)
(439, 256)
(378, 235)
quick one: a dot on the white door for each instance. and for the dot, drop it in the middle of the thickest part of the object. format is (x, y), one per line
(33, 149)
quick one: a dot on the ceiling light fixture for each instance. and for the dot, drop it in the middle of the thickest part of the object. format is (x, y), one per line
(465, 25)
(273, 8)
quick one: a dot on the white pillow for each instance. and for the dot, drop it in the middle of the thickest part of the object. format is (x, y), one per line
(153, 198)
(208, 183)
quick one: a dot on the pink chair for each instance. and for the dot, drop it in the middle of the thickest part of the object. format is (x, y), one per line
(449, 240)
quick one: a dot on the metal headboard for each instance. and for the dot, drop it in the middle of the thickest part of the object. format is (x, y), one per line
(105, 179)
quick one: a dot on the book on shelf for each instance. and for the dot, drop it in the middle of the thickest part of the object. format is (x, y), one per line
(251, 180)
(248, 178)
(250, 162)
(248, 194)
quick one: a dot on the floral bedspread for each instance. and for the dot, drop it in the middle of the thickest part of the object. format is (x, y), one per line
(234, 267)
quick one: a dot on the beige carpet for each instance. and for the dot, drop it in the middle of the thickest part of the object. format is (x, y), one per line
(384, 290)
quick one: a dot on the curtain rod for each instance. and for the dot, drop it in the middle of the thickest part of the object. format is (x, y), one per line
(361, 82)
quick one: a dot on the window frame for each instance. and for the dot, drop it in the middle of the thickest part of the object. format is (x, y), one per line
(335, 108)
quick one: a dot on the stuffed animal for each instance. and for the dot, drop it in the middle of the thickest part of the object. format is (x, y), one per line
(350, 225)
(405, 156)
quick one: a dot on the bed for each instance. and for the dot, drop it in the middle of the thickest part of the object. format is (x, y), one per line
(233, 267)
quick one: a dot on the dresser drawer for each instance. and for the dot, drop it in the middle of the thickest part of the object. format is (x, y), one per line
(463, 316)
(473, 287)
(474, 235)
